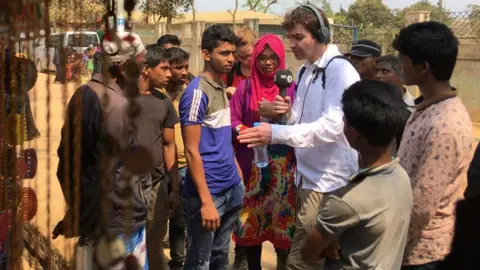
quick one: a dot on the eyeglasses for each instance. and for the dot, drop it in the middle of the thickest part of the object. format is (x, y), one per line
(265, 59)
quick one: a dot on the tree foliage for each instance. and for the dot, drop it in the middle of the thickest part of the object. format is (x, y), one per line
(159, 9)
(324, 5)
(368, 14)
(75, 12)
(341, 17)
(327, 8)
(436, 14)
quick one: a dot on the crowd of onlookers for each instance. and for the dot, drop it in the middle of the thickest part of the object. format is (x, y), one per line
(360, 174)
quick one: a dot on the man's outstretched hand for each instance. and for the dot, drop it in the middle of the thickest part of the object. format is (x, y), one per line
(256, 136)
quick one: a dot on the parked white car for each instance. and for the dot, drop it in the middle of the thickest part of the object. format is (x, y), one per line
(79, 41)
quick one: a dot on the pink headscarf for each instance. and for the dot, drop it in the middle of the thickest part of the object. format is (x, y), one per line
(263, 85)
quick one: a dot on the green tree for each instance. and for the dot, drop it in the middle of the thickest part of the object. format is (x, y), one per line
(375, 21)
(327, 8)
(436, 14)
(159, 9)
(341, 17)
(75, 13)
(370, 14)
(322, 4)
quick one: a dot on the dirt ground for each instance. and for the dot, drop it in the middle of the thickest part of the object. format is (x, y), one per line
(51, 207)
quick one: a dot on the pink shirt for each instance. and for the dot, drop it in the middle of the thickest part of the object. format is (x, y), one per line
(435, 151)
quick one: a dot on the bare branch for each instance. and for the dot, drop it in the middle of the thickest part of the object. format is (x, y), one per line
(270, 2)
(234, 13)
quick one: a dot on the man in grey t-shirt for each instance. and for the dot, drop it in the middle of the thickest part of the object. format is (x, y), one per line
(156, 130)
(364, 225)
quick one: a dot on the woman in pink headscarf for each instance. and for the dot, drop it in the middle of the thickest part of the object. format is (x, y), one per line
(269, 205)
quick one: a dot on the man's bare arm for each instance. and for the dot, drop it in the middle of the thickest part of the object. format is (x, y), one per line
(191, 139)
(240, 173)
(169, 155)
(315, 245)
(171, 165)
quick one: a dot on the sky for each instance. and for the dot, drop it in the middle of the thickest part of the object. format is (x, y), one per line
(218, 5)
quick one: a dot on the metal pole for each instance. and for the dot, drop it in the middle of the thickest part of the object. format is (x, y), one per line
(440, 5)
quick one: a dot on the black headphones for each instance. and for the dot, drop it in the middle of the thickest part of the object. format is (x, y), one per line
(323, 34)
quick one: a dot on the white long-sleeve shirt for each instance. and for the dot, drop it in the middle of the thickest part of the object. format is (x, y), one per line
(315, 129)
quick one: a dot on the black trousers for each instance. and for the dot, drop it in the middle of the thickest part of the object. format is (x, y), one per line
(254, 257)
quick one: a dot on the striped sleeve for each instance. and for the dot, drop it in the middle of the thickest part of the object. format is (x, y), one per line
(193, 106)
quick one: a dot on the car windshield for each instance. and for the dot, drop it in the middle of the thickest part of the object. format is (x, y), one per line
(82, 40)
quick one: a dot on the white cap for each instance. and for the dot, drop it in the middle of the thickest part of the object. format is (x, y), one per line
(130, 46)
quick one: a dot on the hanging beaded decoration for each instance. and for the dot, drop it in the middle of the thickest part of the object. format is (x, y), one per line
(110, 249)
(19, 203)
(18, 75)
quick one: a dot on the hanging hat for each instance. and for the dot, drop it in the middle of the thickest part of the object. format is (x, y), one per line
(130, 46)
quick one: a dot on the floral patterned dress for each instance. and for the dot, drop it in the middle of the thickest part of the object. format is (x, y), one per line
(269, 204)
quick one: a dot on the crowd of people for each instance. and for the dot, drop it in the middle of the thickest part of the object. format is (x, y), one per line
(360, 174)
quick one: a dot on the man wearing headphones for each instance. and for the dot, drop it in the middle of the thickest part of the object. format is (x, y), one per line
(315, 122)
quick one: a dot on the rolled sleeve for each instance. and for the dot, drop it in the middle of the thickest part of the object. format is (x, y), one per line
(336, 217)
(279, 134)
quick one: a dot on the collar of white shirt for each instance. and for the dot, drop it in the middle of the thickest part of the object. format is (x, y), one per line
(330, 52)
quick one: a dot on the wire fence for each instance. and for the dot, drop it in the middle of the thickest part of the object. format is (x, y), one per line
(465, 25)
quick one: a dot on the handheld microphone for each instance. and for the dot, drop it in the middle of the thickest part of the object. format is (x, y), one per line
(283, 79)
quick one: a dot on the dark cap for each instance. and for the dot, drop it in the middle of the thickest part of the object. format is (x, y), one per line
(365, 48)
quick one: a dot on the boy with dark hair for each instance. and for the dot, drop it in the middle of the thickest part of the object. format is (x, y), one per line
(171, 41)
(315, 122)
(178, 59)
(389, 69)
(168, 41)
(369, 217)
(213, 185)
(155, 125)
(436, 147)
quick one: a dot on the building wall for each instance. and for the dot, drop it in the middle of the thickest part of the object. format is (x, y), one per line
(467, 80)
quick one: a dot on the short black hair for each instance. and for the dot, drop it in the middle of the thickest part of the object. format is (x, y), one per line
(155, 55)
(393, 61)
(431, 42)
(215, 34)
(177, 55)
(375, 109)
(169, 39)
